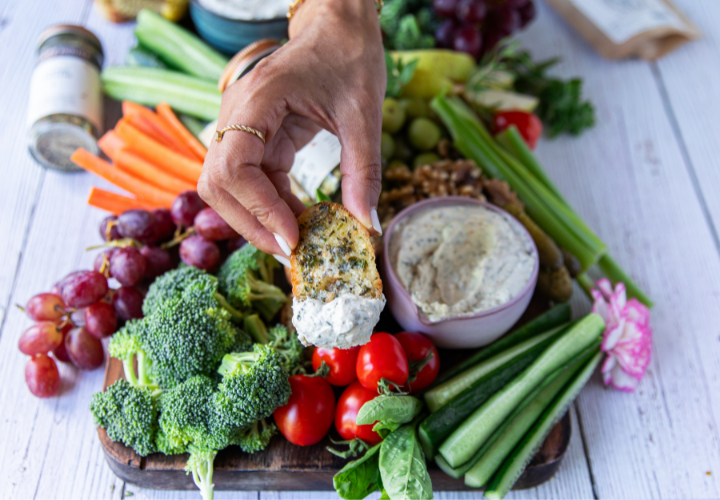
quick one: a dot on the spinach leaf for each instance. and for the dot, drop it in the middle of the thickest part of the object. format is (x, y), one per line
(360, 477)
(402, 466)
(396, 409)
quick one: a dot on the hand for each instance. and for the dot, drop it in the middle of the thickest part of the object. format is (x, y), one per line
(331, 75)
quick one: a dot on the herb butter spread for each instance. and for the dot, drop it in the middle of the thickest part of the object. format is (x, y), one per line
(247, 10)
(461, 260)
(344, 322)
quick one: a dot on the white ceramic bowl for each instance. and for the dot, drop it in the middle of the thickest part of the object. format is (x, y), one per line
(460, 332)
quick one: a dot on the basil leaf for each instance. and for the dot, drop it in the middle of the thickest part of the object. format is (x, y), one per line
(321, 196)
(360, 477)
(397, 409)
(385, 427)
(402, 466)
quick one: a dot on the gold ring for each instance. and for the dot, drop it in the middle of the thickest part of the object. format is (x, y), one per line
(220, 133)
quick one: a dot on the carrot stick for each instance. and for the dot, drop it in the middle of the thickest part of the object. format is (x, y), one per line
(157, 154)
(113, 202)
(145, 192)
(154, 126)
(143, 169)
(166, 113)
(111, 144)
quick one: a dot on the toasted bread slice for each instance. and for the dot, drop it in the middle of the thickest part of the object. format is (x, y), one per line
(334, 256)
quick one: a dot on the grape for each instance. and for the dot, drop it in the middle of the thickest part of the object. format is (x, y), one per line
(127, 302)
(491, 38)
(100, 260)
(113, 234)
(41, 338)
(471, 11)
(164, 225)
(82, 288)
(158, 261)
(211, 226)
(60, 352)
(235, 244)
(42, 376)
(185, 207)
(468, 40)
(527, 13)
(77, 317)
(199, 252)
(516, 4)
(100, 320)
(445, 8)
(84, 350)
(45, 307)
(128, 266)
(137, 224)
(445, 34)
(504, 21)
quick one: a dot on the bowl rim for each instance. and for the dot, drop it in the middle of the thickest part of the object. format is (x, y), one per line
(450, 201)
(198, 5)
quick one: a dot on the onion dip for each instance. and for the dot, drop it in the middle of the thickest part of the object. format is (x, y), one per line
(461, 260)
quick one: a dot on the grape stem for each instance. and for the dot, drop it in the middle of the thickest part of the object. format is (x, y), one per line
(178, 238)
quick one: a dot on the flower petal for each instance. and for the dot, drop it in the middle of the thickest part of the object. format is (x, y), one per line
(605, 286)
(622, 381)
(634, 349)
(600, 306)
(607, 367)
(638, 312)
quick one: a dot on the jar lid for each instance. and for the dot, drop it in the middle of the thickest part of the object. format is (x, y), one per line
(245, 60)
(69, 29)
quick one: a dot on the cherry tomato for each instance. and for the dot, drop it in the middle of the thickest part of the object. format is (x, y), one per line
(528, 124)
(341, 363)
(348, 407)
(417, 346)
(308, 414)
(382, 357)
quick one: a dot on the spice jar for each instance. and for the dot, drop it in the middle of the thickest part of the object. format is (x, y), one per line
(65, 108)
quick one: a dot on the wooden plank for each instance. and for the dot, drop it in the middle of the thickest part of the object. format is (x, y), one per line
(627, 178)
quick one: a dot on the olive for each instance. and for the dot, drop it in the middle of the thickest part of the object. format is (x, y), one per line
(424, 134)
(425, 159)
(387, 146)
(403, 151)
(415, 107)
(393, 115)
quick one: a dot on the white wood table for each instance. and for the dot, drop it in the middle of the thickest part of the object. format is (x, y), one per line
(646, 178)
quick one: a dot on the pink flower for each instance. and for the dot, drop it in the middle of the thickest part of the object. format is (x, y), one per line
(627, 338)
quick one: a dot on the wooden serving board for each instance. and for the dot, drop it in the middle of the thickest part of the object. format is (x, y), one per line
(284, 466)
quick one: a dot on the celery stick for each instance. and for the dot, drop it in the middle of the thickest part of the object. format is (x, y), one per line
(612, 270)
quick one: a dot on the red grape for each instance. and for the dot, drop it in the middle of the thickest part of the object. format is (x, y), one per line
(113, 234)
(45, 307)
(84, 350)
(527, 13)
(468, 40)
(42, 376)
(164, 225)
(491, 38)
(471, 11)
(185, 207)
(445, 8)
(235, 244)
(158, 261)
(100, 320)
(60, 352)
(445, 34)
(199, 252)
(516, 4)
(82, 288)
(128, 303)
(504, 20)
(41, 338)
(100, 260)
(128, 266)
(137, 224)
(210, 225)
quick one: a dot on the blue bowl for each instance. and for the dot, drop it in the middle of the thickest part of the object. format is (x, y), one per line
(232, 35)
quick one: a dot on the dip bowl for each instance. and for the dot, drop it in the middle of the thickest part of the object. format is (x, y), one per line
(459, 332)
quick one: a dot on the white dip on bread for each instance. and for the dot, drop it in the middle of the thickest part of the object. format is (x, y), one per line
(461, 260)
(345, 322)
(247, 10)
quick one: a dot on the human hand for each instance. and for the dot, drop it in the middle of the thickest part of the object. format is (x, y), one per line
(331, 75)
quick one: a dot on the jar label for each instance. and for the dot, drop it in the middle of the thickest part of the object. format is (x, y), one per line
(65, 84)
(315, 161)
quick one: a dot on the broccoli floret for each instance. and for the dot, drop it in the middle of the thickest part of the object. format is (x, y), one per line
(173, 283)
(286, 343)
(128, 414)
(246, 280)
(256, 437)
(253, 385)
(126, 345)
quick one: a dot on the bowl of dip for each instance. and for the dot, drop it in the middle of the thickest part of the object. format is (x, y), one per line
(458, 269)
(231, 25)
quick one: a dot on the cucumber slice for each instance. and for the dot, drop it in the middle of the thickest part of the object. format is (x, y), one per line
(467, 439)
(514, 466)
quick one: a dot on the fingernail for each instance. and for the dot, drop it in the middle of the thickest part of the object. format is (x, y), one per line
(376, 221)
(282, 260)
(283, 244)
